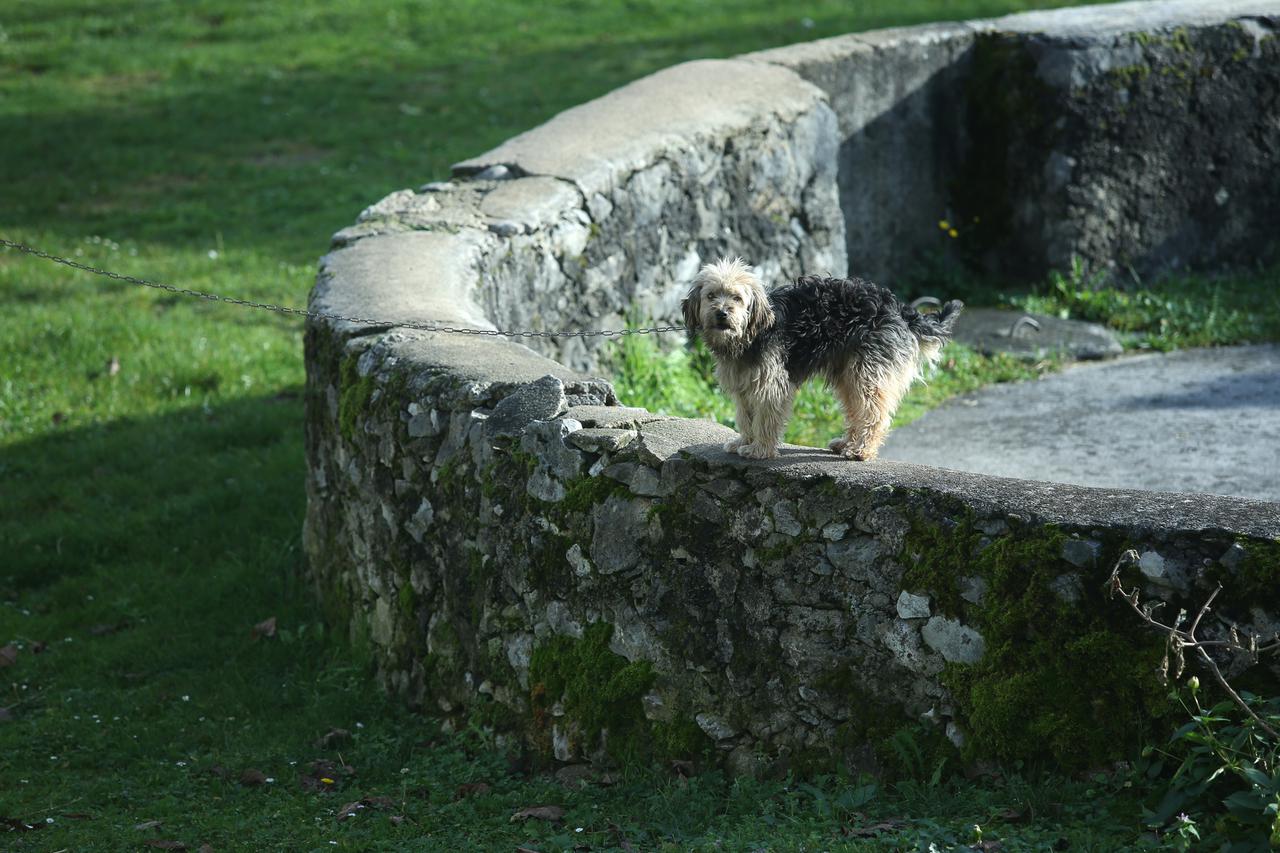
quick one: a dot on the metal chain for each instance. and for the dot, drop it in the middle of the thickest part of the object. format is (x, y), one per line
(418, 325)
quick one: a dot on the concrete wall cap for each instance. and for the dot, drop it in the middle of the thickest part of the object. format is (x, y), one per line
(593, 143)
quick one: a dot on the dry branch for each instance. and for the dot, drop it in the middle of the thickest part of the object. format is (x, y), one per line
(1180, 640)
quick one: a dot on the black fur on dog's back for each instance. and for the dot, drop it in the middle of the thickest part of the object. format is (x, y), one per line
(822, 324)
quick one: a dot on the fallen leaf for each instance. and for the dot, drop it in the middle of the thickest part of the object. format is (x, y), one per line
(472, 789)
(253, 777)
(113, 366)
(8, 655)
(146, 824)
(397, 819)
(18, 825)
(39, 648)
(164, 845)
(331, 737)
(553, 814)
(379, 802)
(265, 628)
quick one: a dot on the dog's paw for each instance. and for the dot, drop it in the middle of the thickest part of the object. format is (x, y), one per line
(758, 451)
(857, 454)
(837, 445)
(732, 446)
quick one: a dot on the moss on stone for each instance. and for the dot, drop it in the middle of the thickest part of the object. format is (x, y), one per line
(408, 601)
(582, 494)
(354, 393)
(681, 738)
(1258, 578)
(1067, 682)
(599, 690)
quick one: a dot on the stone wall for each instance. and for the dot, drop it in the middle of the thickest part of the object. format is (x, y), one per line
(518, 549)
(1131, 136)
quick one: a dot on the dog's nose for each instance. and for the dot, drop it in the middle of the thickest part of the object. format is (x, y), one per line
(722, 314)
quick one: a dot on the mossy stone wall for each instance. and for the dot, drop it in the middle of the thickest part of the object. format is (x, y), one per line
(516, 550)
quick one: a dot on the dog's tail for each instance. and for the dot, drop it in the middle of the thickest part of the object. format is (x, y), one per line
(932, 331)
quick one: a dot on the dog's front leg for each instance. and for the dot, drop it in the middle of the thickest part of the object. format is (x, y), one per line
(768, 420)
(744, 426)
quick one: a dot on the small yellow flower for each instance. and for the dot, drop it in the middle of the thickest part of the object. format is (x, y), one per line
(944, 224)
(954, 233)
(326, 780)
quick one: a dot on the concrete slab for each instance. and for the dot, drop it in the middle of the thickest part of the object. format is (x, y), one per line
(1204, 421)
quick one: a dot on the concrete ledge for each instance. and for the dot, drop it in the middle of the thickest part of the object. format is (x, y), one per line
(500, 531)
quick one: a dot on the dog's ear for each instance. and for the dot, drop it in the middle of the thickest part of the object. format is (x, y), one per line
(761, 315)
(691, 305)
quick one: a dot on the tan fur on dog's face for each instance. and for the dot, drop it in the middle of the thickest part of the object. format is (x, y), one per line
(727, 305)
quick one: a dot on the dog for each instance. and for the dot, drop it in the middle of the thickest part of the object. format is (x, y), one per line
(855, 335)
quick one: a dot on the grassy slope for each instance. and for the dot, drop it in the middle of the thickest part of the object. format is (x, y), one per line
(149, 516)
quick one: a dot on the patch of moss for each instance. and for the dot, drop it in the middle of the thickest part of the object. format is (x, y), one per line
(682, 738)
(1129, 75)
(600, 690)
(1068, 682)
(408, 601)
(584, 493)
(1258, 578)
(488, 713)
(354, 393)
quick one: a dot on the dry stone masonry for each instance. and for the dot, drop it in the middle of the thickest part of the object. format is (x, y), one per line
(517, 549)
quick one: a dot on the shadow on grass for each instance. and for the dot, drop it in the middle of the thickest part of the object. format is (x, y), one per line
(175, 492)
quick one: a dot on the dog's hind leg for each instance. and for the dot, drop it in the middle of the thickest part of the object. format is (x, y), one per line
(869, 403)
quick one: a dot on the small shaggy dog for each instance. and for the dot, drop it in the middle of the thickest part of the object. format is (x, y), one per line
(857, 336)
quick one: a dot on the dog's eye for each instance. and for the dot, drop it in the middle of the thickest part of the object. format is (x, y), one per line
(737, 298)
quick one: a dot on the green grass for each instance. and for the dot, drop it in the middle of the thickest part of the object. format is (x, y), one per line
(1178, 312)
(150, 513)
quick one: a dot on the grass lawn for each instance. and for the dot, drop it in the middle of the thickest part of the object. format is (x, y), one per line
(151, 458)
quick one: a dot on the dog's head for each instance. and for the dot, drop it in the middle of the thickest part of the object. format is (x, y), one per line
(727, 305)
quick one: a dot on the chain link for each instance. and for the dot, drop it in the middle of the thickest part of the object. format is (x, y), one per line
(417, 325)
